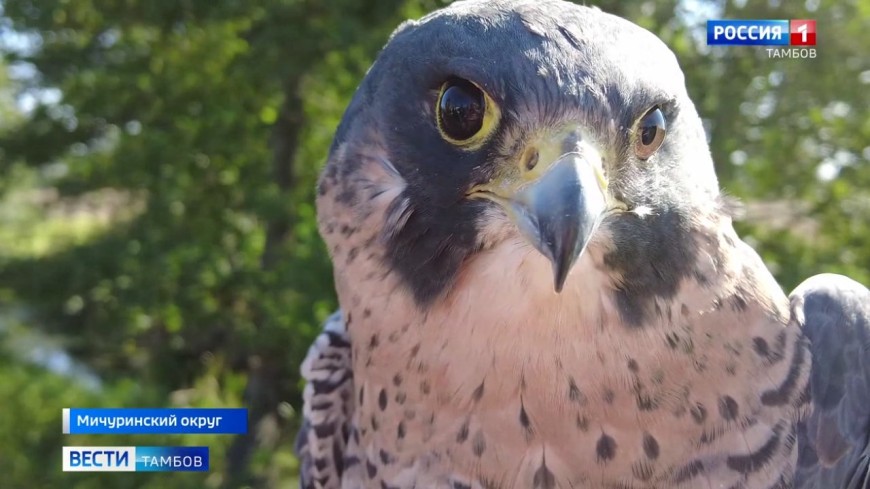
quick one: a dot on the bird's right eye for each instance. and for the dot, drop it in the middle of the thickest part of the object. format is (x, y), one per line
(466, 114)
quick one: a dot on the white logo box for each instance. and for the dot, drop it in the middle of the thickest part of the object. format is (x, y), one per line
(99, 459)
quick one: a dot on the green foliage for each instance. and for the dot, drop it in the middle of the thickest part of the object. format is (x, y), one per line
(157, 222)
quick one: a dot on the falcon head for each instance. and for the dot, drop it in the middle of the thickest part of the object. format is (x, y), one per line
(542, 126)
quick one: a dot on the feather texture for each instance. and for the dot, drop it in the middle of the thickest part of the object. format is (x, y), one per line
(834, 441)
(322, 442)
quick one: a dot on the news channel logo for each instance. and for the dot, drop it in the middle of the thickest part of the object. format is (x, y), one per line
(116, 421)
(135, 459)
(794, 38)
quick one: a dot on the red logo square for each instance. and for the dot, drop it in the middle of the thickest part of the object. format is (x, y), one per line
(803, 32)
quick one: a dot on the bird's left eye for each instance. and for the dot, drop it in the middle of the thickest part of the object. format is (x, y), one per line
(650, 133)
(465, 114)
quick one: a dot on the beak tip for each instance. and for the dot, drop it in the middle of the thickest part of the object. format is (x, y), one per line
(560, 211)
(560, 274)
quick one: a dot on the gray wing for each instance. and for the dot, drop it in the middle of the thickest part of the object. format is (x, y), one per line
(834, 440)
(322, 442)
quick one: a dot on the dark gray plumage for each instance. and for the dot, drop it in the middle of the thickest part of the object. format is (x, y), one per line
(544, 289)
(834, 441)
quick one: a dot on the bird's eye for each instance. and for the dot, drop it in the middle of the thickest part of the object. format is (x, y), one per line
(650, 133)
(466, 115)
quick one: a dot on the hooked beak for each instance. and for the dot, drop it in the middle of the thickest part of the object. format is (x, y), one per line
(558, 204)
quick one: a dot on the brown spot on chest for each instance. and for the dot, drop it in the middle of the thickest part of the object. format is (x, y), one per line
(605, 448)
(728, 408)
(650, 446)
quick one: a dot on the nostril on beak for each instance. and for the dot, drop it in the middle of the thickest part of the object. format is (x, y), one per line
(530, 159)
(571, 142)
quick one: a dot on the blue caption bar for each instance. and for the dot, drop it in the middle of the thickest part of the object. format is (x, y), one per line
(168, 421)
(135, 459)
(171, 459)
(747, 32)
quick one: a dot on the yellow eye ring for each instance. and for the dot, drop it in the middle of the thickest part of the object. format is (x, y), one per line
(465, 114)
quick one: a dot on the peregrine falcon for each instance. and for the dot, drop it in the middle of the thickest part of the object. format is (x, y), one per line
(541, 286)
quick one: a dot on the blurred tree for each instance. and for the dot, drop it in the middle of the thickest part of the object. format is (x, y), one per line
(8, 114)
(796, 134)
(159, 218)
(172, 107)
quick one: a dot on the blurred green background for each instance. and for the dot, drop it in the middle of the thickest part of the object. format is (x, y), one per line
(157, 167)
